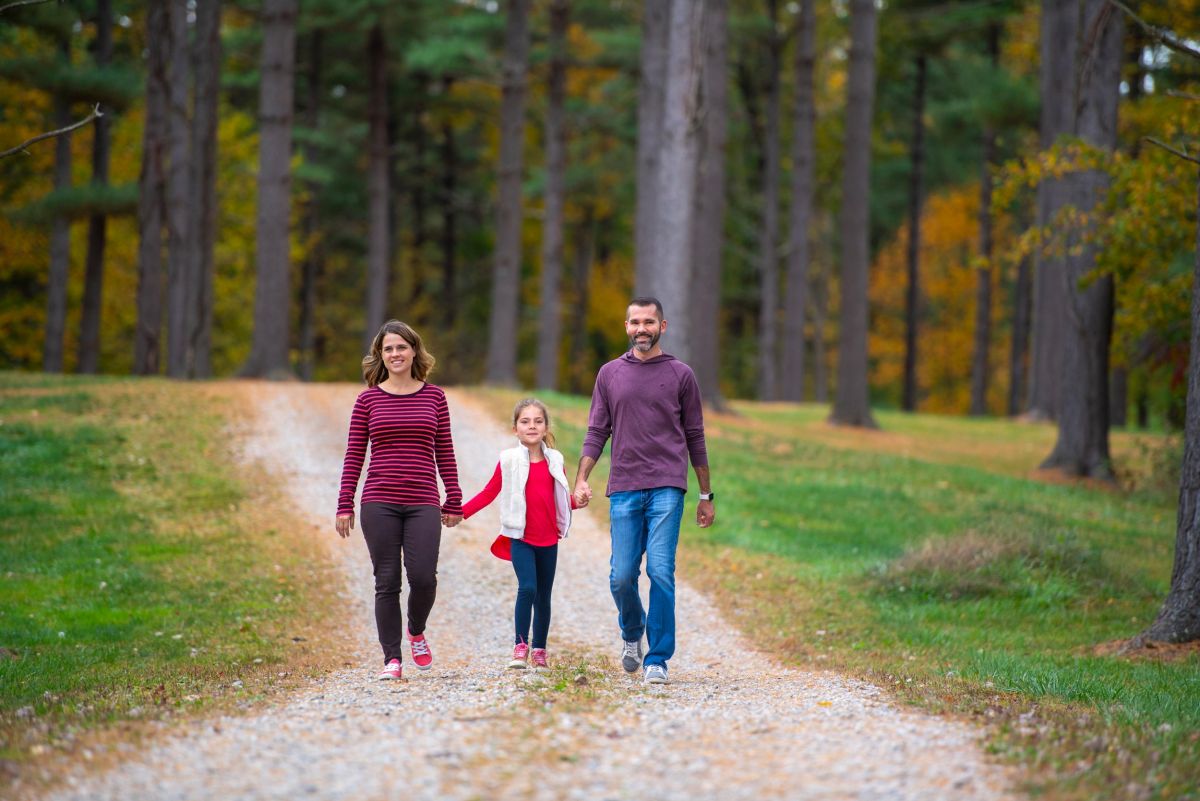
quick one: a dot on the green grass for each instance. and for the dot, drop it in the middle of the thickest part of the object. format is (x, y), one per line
(136, 575)
(931, 558)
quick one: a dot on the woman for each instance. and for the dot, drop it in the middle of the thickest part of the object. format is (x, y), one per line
(407, 422)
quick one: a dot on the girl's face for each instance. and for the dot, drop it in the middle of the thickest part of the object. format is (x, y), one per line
(397, 355)
(531, 426)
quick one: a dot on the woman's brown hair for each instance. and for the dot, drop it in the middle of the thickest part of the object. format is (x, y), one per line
(375, 372)
(521, 406)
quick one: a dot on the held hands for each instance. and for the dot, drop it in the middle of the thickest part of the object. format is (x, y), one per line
(583, 494)
(343, 524)
(450, 521)
(705, 514)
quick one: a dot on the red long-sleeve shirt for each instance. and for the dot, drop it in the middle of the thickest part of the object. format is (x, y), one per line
(541, 518)
(410, 444)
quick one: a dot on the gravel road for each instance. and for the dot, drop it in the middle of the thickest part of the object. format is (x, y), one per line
(733, 724)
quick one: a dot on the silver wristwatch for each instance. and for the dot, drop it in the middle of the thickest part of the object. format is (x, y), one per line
(707, 496)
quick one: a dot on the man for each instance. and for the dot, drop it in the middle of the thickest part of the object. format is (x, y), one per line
(649, 403)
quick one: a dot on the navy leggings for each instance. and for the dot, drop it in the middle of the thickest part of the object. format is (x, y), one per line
(534, 566)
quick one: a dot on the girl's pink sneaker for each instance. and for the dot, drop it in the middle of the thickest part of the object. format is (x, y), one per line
(520, 657)
(422, 656)
(390, 671)
(538, 657)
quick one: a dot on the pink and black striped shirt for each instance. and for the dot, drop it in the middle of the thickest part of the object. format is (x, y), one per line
(410, 445)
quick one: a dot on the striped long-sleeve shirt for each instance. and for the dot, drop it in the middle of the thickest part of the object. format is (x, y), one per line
(410, 445)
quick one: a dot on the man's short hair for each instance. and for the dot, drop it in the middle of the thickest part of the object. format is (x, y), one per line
(647, 300)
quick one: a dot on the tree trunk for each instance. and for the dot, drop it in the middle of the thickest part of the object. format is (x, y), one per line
(152, 194)
(709, 221)
(449, 222)
(93, 281)
(313, 258)
(912, 302)
(851, 405)
(1022, 305)
(506, 273)
(180, 281)
(585, 252)
(552, 223)
(60, 241)
(378, 191)
(820, 291)
(204, 182)
(677, 173)
(803, 190)
(980, 361)
(652, 82)
(1179, 618)
(272, 296)
(768, 258)
(1118, 398)
(1082, 446)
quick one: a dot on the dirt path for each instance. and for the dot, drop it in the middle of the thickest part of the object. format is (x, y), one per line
(733, 724)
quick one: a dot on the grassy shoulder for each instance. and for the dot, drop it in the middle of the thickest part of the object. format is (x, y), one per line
(146, 574)
(932, 559)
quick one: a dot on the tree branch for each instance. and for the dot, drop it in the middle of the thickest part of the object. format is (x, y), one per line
(1182, 95)
(1171, 149)
(17, 3)
(1160, 35)
(21, 147)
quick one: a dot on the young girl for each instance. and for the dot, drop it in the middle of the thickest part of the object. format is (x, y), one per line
(535, 513)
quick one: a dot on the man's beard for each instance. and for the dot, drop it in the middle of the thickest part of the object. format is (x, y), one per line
(647, 347)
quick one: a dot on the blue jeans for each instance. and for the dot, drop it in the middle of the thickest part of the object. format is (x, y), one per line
(646, 522)
(534, 566)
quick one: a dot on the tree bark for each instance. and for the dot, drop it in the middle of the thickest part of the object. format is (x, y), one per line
(709, 221)
(768, 242)
(677, 173)
(313, 258)
(152, 194)
(93, 280)
(1022, 306)
(851, 405)
(60, 240)
(1179, 618)
(550, 319)
(272, 296)
(803, 190)
(180, 281)
(913, 294)
(449, 222)
(207, 69)
(980, 354)
(585, 252)
(506, 273)
(1082, 446)
(378, 191)
(652, 81)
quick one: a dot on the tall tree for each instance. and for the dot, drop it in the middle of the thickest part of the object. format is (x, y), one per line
(272, 296)
(1093, 41)
(378, 190)
(313, 257)
(152, 194)
(651, 87)
(550, 322)
(709, 222)
(851, 404)
(60, 237)
(804, 131)
(768, 242)
(506, 272)
(203, 232)
(677, 172)
(180, 302)
(93, 276)
(912, 301)
(980, 362)
(1022, 307)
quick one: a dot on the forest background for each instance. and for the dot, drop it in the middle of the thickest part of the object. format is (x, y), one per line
(358, 146)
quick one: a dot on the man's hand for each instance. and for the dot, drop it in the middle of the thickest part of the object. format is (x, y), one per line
(344, 524)
(705, 514)
(583, 494)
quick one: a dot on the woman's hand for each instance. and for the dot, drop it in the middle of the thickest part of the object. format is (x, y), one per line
(344, 524)
(450, 521)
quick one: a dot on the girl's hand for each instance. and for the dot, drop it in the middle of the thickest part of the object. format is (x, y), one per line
(344, 524)
(450, 521)
(582, 496)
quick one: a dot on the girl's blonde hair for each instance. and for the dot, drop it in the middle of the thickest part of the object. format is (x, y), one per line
(525, 403)
(375, 372)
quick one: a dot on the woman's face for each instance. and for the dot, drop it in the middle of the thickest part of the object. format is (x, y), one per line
(531, 426)
(397, 355)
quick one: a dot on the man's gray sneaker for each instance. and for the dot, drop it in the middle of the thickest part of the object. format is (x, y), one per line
(655, 674)
(631, 655)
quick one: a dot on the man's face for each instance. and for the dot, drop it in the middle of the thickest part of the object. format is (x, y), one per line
(643, 327)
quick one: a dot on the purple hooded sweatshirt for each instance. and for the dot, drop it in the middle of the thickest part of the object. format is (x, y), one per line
(653, 413)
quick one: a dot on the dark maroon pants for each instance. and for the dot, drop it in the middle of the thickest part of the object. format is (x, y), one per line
(396, 535)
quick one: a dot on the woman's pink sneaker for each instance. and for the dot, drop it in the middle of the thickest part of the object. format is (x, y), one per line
(520, 657)
(390, 671)
(538, 657)
(422, 656)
